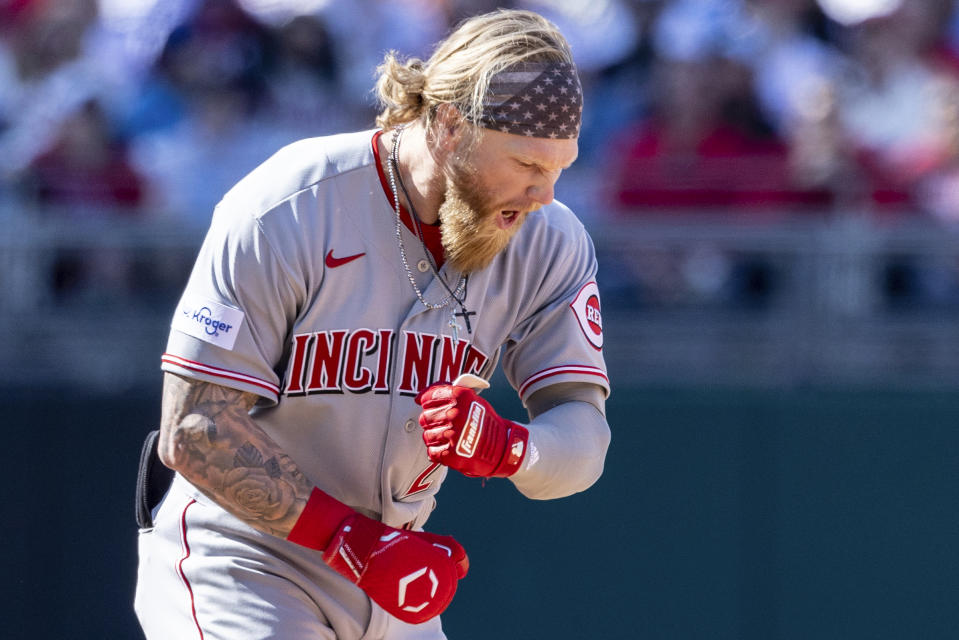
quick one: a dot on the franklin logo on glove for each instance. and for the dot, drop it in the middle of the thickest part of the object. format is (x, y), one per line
(474, 429)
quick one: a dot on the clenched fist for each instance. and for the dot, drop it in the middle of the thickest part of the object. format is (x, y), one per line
(462, 431)
(411, 574)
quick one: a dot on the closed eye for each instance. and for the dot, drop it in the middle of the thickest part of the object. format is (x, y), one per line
(540, 168)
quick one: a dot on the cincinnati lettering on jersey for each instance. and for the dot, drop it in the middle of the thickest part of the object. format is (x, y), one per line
(362, 361)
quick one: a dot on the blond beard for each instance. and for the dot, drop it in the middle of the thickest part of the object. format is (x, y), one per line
(470, 235)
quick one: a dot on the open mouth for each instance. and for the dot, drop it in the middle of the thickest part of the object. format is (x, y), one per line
(507, 218)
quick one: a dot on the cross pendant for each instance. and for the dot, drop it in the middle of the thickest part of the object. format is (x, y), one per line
(466, 316)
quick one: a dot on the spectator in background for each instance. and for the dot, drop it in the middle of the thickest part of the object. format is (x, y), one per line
(363, 29)
(792, 55)
(86, 169)
(216, 65)
(43, 35)
(161, 100)
(86, 174)
(304, 81)
(938, 191)
(43, 75)
(705, 145)
(891, 114)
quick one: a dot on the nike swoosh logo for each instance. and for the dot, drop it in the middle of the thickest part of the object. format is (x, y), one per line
(333, 263)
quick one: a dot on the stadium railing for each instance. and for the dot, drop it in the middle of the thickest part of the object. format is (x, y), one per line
(687, 299)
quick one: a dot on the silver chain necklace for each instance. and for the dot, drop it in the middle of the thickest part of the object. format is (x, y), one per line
(461, 287)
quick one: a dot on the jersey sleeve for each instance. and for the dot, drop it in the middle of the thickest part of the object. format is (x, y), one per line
(231, 323)
(560, 336)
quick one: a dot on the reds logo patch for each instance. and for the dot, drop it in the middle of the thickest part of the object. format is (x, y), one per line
(587, 311)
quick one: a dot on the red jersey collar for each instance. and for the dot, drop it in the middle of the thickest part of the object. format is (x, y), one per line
(431, 232)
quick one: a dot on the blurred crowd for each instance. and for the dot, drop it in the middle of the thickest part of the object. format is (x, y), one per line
(154, 108)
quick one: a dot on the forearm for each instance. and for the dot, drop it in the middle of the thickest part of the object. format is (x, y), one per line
(208, 436)
(566, 451)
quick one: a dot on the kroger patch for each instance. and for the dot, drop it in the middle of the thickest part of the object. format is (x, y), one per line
(209, 321)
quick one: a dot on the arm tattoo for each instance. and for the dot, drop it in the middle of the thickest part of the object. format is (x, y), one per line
(210, 438)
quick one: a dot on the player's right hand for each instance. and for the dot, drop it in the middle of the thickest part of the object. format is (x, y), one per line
(411, 574)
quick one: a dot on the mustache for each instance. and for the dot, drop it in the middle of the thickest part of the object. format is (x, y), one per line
(470, 232)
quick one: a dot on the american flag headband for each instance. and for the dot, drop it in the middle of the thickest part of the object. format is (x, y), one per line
(540, 100)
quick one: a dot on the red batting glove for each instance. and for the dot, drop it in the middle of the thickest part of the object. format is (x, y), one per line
(462, 431)
(411, 574)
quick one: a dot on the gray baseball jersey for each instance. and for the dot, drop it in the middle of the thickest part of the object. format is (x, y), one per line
(299, 295)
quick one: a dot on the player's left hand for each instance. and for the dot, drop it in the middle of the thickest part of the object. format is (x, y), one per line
(462, 431)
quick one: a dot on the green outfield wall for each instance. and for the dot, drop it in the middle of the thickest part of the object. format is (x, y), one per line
(801, 514)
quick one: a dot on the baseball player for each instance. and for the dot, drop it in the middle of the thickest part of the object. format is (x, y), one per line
(324, 365)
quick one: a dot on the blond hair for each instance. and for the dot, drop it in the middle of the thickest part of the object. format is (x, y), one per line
(462, 65)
